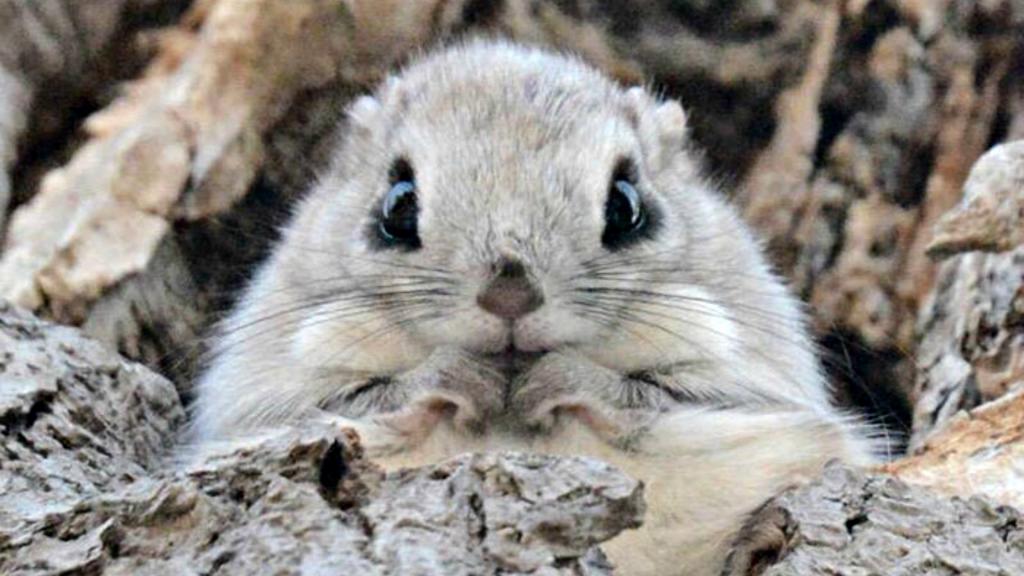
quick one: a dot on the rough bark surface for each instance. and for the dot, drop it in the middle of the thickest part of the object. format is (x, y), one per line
(86, 487)
(976, 452)
(847, 522)
(990, 216)
(76, 421)
(972, 326)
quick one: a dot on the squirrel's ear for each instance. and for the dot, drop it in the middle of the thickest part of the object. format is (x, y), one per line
(671, 121)
(663, 122)
(363, 111)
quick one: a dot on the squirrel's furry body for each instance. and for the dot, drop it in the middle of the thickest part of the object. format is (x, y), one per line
(676, 356)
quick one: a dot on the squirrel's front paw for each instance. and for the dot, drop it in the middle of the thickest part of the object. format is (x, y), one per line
(558, 386)
(450, 385)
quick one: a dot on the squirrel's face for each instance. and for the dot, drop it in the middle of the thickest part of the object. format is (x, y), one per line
(512, 212)
(512, 203)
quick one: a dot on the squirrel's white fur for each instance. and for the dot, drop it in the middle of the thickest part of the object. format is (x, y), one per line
(692, 370)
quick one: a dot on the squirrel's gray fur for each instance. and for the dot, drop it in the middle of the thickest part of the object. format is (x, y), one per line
(680, 358)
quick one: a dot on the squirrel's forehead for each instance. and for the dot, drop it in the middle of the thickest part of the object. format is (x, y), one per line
(491, 74)
(508, 132)
(492, 97)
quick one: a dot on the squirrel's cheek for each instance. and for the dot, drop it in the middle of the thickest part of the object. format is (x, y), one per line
(322, 342)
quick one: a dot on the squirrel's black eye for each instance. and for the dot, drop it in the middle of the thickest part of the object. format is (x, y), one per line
(399, 215)
(400, 211)
(624, 214)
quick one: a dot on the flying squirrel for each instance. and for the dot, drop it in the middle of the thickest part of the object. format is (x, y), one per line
(511, 251)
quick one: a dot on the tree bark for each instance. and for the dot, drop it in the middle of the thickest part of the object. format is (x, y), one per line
(847, 522)
(972, 345)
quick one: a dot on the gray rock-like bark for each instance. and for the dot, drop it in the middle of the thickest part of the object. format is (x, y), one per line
(501, 514)
(847, 522)
(307, 503)
(76, 421)
(85, 487)
(972, 342)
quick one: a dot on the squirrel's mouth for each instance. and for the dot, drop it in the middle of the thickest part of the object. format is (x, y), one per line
(513, 361)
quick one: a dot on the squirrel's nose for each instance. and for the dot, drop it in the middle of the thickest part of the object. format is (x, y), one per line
(510, 294)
